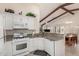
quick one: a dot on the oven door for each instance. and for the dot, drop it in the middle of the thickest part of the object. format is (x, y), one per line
(20, 47)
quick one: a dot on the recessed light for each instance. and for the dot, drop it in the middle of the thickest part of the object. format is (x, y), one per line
(68, 22)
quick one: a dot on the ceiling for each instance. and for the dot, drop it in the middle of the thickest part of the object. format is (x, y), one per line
(44, 8)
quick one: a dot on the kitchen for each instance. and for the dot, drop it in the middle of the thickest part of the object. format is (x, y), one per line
(23, 35)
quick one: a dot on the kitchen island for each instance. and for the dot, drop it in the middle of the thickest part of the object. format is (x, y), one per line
(52, 43)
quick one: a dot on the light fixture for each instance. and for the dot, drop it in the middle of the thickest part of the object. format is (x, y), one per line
(68, 22)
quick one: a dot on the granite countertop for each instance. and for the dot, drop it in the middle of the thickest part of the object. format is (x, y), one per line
(49, 36)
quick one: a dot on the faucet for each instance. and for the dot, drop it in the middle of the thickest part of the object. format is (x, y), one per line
(41, 30)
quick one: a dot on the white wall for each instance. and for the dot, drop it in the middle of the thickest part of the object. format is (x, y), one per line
(69, 27)
(46, 8)
(68, 21)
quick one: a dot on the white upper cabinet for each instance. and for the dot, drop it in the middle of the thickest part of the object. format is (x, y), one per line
(8, 20)
(31, 23)
(18, 21)
(1, 21)
(23, 22)
(1, 26)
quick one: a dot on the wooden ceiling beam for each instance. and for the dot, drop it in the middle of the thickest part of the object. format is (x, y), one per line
(77, 9)
(49, 14)
(67, 10)
(62, 14)
(66, 4)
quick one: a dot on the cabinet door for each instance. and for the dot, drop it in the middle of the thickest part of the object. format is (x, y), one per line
(1, 25)
(49, 46)
(30, 23)
(39, 43)
(1, 21)
(36, 44)
(2, 46)
(51, 50)
(18, 21)
(25, 21)
(31, 45)
(8, 21)
(60, 47)
(8, 49)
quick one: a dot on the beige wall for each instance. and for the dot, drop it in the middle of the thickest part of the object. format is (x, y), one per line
(46, 8)
(40, 9)
(17, 7)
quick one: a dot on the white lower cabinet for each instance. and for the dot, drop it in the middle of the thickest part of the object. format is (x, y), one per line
(8, 49)
(39, 43)
(1, 47)
(60, 47)
(49, 46)
(36, 44)
(31, 44)
(55, 48)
